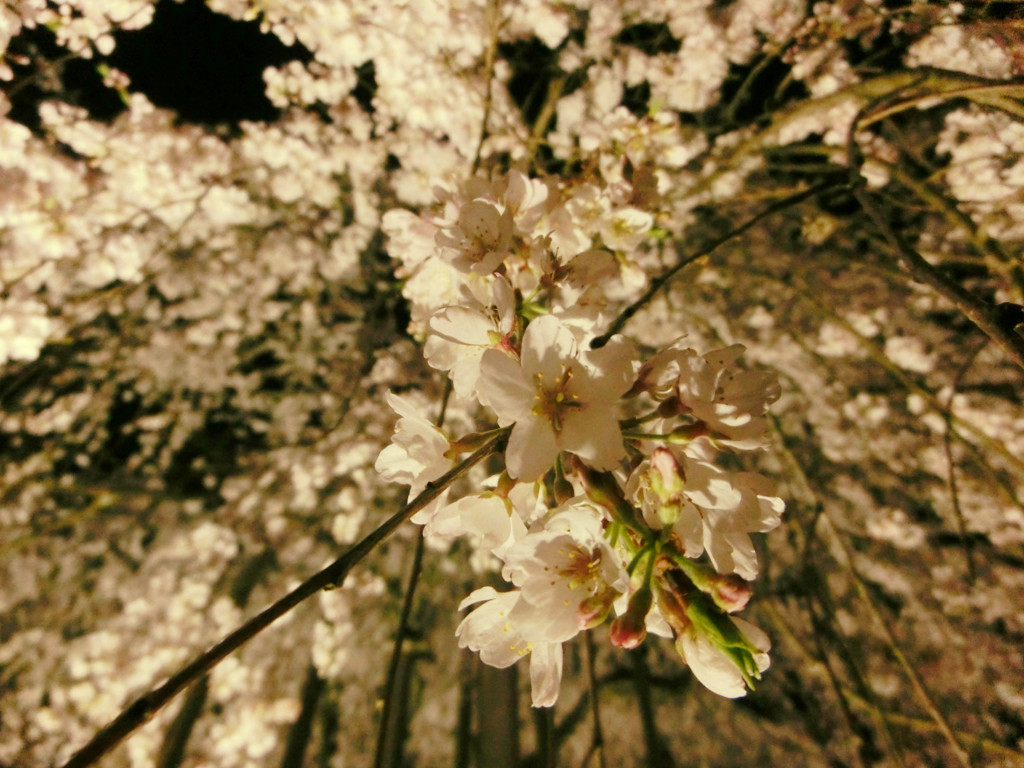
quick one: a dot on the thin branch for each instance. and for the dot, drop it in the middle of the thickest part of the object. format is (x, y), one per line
(657, 283)
(924, 697)
(989, 747)
(386, 727)
(975, 310)
(954, 491)
(658, 754)
(301, 732)
(808, 292)
(597, 736)
(464, 717)
(547, 742)
(172, 752)
(858, 582)
(142, 709)
(492, 17)
(822, 628)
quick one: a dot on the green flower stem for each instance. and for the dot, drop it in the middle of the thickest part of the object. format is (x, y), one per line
(603, 488)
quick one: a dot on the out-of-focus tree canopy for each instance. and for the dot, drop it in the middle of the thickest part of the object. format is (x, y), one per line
(206, 309)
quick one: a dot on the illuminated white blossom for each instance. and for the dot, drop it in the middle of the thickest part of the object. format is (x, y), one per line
(557, 397)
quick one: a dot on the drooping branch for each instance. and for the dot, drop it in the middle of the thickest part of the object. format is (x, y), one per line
(974, 309)
(659, 282)
(390, 727)
(146, 706)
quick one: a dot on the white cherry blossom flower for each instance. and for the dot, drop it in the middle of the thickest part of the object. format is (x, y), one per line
(479, 240)
(560, 571)
(487, 519)
(558, 398)
(566, 572)
(731, 402)
(491, 631)
(707, 508)
(461, 333)
(626, 228)
(416, 455)
(527, 199)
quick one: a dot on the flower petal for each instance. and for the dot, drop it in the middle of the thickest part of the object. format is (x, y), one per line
(531, 450)
(545, 674)
(502, 387)
(593, 435)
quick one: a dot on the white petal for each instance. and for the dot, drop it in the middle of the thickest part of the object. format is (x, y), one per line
(709, 487)
(593, 435)
(714, 669)
(480, 220)
(545, 674)
(478, 596)
(690, 528)
(403, 407)
(488, 630)
(462, 325)
(547, 346)
(503, 387)
(531, 450)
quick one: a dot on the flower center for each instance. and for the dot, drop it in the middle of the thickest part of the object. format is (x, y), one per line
(580, 568)
(553, 399)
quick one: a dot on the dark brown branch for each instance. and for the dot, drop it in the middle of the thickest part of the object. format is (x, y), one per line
(172, 753)
(597, 735)
(301, 732)
(146, 706)
(974, 309)
(659, 282)
(389, 727)
(658, 753)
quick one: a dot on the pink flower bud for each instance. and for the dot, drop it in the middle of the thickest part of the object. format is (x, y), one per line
(730, 593)
(667, 480)
(595, 609)
(630, 629)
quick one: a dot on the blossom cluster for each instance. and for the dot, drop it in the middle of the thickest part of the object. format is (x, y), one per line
(195, 340)
(612, 504)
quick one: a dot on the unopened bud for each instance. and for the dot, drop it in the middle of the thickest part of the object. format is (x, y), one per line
(730, 592)
(602, 488)
(561, 487)
(673, 607)
(630, 629)
(595, 609)
(689, 432)
(667, 479)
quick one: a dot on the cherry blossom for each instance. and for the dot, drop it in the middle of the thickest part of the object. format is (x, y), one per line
(707, 508)
(560, 571)
(714, 667)
(491, 631)
(558, 397)
(461, 333)
(417, 451)
(709, 387)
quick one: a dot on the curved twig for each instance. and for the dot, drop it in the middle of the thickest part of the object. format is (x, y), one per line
(659, 282)
(493, 19)
(385, 729)
(974, 309)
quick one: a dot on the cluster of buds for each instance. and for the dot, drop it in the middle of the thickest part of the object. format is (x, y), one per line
(611, 507)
